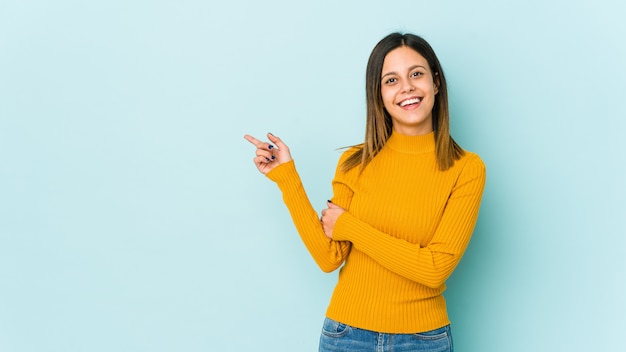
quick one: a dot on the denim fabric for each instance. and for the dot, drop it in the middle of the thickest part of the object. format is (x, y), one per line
(339, 337)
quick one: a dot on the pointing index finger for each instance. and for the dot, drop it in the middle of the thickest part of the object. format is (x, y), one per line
(252, 140)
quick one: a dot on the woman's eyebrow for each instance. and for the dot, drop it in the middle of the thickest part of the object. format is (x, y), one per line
(410, 69)
(388, 74)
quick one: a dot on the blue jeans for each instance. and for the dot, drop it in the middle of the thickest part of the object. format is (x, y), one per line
(339, 337)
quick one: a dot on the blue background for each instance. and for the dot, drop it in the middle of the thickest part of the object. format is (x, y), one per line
(133, 219)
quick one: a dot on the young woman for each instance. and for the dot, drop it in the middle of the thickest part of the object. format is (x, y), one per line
(404, 207)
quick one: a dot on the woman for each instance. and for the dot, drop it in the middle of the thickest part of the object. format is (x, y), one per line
(404, 207)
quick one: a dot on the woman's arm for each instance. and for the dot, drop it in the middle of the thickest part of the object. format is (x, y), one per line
(433, 264)
(276, 163)
(328, 253)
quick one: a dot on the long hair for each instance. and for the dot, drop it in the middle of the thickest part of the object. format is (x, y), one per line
(379, 124)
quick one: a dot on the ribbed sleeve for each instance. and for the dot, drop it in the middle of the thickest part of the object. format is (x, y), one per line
(327, 253)
(432, 264)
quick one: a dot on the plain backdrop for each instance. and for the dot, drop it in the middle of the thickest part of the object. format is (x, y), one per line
(133, 219)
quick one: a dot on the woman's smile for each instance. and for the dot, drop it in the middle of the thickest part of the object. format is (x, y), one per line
(410, 103)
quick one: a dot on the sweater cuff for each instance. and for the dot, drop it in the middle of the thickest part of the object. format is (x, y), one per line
(282, 172)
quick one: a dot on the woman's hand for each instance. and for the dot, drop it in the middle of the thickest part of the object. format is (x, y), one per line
(329, 218)
(269, 156)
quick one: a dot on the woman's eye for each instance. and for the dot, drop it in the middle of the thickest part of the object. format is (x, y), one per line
(390, 80)
(416, 74)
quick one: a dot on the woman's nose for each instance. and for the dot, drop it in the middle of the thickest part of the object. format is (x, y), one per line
(407, 86)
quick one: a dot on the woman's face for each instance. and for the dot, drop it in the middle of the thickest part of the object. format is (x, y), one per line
(408, 91)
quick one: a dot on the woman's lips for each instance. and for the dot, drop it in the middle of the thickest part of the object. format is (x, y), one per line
(410, 103)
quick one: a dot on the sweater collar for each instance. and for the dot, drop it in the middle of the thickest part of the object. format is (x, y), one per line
(412, 144)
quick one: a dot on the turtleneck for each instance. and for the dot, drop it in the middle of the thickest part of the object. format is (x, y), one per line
(412, 144)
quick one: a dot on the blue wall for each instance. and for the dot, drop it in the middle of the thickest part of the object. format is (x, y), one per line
(132, 217)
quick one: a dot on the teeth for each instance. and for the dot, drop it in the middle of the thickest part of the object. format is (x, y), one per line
(410, 101)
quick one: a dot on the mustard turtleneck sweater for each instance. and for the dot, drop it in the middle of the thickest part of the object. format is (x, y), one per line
(405, 229)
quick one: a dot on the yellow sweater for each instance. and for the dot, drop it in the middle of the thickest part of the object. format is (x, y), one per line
(405, 229)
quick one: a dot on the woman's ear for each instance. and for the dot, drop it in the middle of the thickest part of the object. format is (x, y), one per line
(436, 82)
